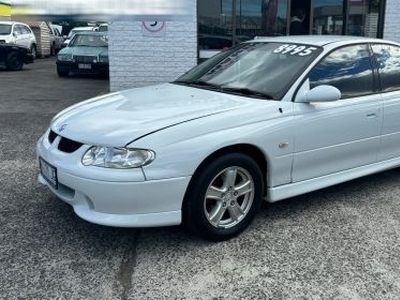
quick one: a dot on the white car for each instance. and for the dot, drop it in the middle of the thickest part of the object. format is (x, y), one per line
(71, 34)
(103, 27)
(269, 119)
(19, 34)
(56, 39)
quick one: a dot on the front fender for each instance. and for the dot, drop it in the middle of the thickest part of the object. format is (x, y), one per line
(178, 156)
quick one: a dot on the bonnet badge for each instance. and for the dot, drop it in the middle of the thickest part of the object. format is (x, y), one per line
(62, 127)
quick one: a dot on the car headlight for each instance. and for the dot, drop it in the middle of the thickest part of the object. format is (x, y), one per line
(103, 59)
(117, 158)
(64, 57)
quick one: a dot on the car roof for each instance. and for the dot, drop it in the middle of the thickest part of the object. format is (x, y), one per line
(90, 33)
(11, 23)
(88, 28)
(321, 40)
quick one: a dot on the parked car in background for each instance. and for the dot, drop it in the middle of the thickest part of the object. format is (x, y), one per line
(103, 27)
(70, 35)
(56, 40)
(14, 56)
(270, 119)
(19, 34)
(86, 53)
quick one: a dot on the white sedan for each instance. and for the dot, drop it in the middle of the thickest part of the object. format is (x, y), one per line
(269, 119)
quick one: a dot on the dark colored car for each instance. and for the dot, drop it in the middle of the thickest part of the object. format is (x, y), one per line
(87, 53)
(14, 56)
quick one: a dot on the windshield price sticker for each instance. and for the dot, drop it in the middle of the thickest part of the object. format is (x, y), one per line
(295, 50)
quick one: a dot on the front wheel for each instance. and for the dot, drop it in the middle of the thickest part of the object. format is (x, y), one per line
(14, 61)
(53, 50)
(224, 197)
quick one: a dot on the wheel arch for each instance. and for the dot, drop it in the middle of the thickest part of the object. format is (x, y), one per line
(247, 149)
(34, 46)
(191, 218)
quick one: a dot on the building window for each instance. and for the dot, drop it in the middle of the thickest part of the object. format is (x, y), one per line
(328, 17)
(363, 17)
(225, 23)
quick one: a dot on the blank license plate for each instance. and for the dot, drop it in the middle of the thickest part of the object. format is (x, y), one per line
(49, 172)
(85, 66)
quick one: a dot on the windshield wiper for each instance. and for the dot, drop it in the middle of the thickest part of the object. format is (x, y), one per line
(198, 83)
(241, 91)
(247, 92)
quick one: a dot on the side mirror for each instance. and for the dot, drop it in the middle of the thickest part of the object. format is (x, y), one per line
(15, 34)
(321, 93)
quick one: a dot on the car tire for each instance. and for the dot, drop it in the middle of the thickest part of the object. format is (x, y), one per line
(62, 73)
(223, 197)
(33, 50)
(14, 61)
(53, 50)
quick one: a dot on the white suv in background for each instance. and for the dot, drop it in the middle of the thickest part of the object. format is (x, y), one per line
(19, 34)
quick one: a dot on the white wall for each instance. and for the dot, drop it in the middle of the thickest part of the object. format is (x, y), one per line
(139, 58)
(392, 21)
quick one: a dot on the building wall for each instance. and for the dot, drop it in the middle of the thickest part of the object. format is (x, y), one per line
(139, 58)
(392, 16)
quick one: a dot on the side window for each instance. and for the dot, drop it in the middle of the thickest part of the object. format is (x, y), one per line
(17, 29)
(25, 30)
(349, 69)
(388, 58)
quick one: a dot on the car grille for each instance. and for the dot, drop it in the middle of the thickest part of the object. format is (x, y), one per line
(52, 136)
(65, 145)
(84, 59)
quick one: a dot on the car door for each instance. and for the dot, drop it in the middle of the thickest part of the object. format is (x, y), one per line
(58, 38)
(388, 58)
(343, 134)
(27, 34)
(20, 36)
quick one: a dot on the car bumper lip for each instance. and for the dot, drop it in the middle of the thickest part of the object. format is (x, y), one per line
(169, 218)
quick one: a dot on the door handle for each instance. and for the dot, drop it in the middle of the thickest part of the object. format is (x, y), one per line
(371, 115)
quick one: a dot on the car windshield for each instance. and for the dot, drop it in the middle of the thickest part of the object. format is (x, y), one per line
(75, 31)
(88, 40)
(5, 29)
(259, 69)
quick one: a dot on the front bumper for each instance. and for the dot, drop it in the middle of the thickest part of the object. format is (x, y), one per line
(75, 67)
(121, 198)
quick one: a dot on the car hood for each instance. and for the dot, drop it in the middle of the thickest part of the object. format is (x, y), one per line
(85, 51)
(117, 119)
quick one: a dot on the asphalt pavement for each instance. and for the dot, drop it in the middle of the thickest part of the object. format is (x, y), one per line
(338, 243)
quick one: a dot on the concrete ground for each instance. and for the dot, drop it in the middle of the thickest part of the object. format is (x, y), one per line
(338, 243)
